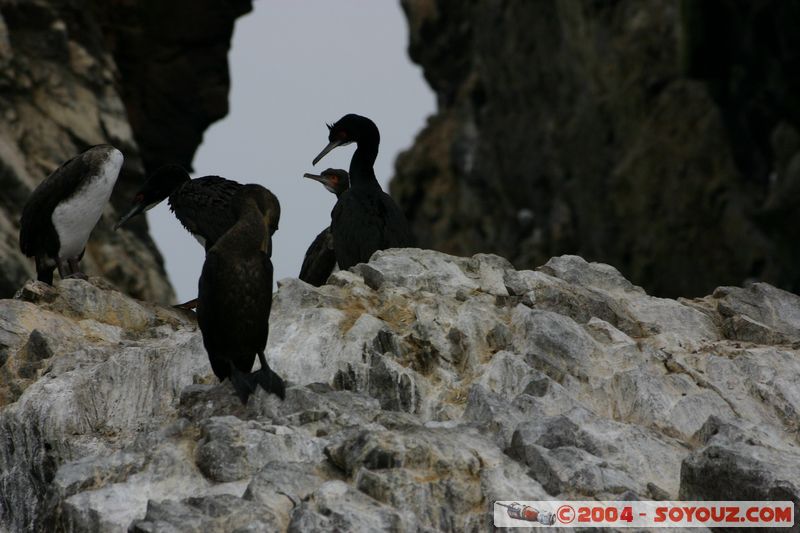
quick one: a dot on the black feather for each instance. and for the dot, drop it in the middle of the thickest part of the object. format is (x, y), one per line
(202, 206)
(234, 300)
(37, 236)
(365, 219)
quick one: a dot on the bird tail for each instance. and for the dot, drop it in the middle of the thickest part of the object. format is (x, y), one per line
(269, 381)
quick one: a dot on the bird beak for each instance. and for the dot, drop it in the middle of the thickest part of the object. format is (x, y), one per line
(135, 210)
(331, 146)
(316, 177)
(324, 180)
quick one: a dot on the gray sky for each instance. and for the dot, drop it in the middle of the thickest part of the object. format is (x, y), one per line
(294, 66)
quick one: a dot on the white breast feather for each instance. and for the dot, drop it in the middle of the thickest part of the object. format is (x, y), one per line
(75, 218)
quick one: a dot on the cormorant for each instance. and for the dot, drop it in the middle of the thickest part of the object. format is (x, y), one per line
(235, 295)
(202, 205)
(320, 259)
(65, 207)
(365, 219)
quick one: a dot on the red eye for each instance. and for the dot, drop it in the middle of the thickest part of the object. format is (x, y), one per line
(342, 135)
(139, 198)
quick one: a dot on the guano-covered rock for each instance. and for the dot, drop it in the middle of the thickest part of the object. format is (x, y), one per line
(421, 387)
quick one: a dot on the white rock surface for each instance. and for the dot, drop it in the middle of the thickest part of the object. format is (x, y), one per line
(422, 387)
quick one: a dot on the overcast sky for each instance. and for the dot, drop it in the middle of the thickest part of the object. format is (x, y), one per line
(294, 67)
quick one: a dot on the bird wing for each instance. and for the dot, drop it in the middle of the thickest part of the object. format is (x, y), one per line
(36, 228)
(348, 233)
(208, 309)
(397, 230)
(364, 225)
(202, 205)
(320, 259)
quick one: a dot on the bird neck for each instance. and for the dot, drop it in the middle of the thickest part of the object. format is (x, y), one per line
(362, 173)
(172, 191)
(249, 233)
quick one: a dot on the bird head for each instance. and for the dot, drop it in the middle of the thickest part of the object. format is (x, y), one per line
(253, 196)
(155, 190)
(335, 180)
(263, 199)
(348, 129)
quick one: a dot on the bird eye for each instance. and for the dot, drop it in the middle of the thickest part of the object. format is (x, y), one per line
(342, 135)
(139, 198)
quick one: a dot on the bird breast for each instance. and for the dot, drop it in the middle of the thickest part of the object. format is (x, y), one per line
(75, 217)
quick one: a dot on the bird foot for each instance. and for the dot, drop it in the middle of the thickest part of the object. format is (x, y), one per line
(77, 275)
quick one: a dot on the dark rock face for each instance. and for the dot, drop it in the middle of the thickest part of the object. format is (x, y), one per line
(173, 62)
(147, 77)
(640, 134)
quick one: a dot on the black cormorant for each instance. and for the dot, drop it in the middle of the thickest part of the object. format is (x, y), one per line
(65, 207)
(235, 295)
(365, 219)
(202, 205)
(320, 259)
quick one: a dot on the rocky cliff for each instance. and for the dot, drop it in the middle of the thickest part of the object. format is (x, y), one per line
(662, 137)
(422, 387)
(147, 77)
